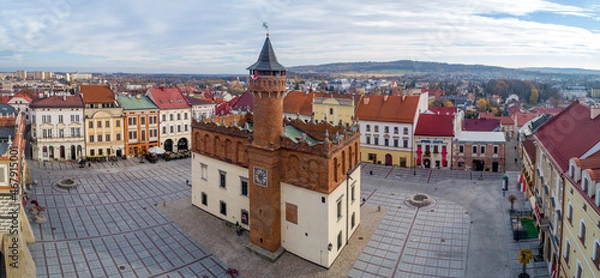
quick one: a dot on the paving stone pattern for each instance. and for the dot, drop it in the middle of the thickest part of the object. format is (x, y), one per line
(109, 225)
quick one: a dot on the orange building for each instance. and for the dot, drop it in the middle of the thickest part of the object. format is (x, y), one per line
(140, 116)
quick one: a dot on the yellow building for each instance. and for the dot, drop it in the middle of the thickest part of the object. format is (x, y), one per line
(581, 234)
(15, 230)
(103, 122)
(320, 106)
(387, 125)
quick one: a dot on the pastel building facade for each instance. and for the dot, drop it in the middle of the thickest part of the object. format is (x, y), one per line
(140, 118)
(175, 118)
(103, 122)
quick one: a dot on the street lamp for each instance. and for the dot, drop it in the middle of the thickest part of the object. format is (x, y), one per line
(415, 166)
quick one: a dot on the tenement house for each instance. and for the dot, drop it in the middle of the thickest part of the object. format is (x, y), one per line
(103, 122)
(175, 118)
(57, 130)
(140, 117)
(294, 185)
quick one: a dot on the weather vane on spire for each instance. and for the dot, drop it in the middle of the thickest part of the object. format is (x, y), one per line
(266, 26)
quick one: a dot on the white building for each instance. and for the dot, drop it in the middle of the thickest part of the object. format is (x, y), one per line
(21, 103)
(57, 131)
(201, 108)
(175, 118)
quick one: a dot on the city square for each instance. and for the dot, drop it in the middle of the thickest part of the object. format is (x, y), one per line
(132, 219)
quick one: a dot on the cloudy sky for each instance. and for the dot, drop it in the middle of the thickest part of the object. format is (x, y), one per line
(185, 36)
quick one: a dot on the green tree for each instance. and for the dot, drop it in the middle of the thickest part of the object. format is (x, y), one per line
(525, 256)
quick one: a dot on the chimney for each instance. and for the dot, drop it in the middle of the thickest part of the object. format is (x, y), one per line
(594, 111)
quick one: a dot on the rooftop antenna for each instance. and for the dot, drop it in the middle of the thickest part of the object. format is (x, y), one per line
(266, 26)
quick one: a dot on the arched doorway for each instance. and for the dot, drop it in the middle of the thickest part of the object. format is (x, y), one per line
(182, 144)
(168, 145)
(388, 159)
(427, 163)
(62, 152)
(73, 153)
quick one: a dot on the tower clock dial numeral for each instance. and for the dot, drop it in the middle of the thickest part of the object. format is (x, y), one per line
(260, 176)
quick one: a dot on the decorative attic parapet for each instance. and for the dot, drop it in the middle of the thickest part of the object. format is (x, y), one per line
(332, 138)
(232, 124)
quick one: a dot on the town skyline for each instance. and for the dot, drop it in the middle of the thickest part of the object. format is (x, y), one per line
(215, 38)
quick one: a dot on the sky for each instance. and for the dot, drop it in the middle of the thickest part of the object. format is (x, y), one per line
(225, 37)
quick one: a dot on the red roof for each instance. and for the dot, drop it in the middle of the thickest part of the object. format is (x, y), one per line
(168, 98)
(22, 95)
(522, 118)
(505, 120)
(57, 102)
(392, 109)
(97, 94)
(242, 103)
(569, 134)
(551, 111)
(435, 125)
(299, 102)
(481, 125)
(442, 110)
(198, 101)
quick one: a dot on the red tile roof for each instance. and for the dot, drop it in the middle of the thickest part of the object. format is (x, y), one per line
(569, 134)
(57, 102)
(97, 94)
(481, 124)
(522, 118)
(542, 110)
(435, 125)
(168, 98)
(198, 101)
(299, 102)
(393, 109)
(505, 120)
(442, 110)
(242, 103)
(22, 95)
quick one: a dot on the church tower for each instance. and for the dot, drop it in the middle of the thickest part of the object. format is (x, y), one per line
(267, 83)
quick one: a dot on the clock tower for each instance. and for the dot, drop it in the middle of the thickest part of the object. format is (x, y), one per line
(267, 83)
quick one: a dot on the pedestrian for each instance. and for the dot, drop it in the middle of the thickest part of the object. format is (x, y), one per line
(516, 160)
(89, 165)
(371, 173)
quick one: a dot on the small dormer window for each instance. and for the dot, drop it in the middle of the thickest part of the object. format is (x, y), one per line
(171, 101)
(180, 101)
(585, 184)
(572, 171)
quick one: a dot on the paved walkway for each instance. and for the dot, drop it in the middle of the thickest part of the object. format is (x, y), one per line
(109, 226)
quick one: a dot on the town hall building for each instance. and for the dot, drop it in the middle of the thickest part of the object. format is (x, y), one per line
(293, 184)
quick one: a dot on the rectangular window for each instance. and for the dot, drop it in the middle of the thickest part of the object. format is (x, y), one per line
(107, 124)
(171, 128)
(92, 153)
(368, 128)
(395, 142)
(353, 220)
(72, 118)
(185, 116)
(474, 149)
(386, 129)
(171, 117)
(570, 214)
(204, 199)
(223, 208)
(386, 141)
(186, 127)
(244, 183)
(405, 143)
(339, 241)
(99, 138)
(567, 250)
(405, 132)
(339, 209)
(143, 135)
(178, 128)
(582, 232)
(118, 123)
(461, 148)
(91, 125)
(204, 171)
(482, 149)
(178, 116)
(164, 117)
(222, 179)
(352, 193)
(376, 141)
(99, 124)
(61, 133)
(164, 129)
(596, 254)
(368, 140)
(495, 149)
(376, 128)
(118, 136)
(395, 130)
(107, 137)
(60, 118)
(579, 271)
(91, 138)
(330, 111)
(435, 149)
(100, 152)
(143, 120)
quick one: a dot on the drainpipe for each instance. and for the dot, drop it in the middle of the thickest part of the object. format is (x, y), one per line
(348, 178)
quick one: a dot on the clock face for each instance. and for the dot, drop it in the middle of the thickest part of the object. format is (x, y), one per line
(260, 176)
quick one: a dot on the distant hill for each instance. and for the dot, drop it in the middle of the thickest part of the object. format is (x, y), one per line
(402, 67)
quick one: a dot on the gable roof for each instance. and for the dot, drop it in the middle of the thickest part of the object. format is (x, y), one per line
(435, 125)
(198, 101)
(137, 102)
(384, 108)
(22, 95)
(242, 103)
(57, 102)
(522, 118)
(481, 125)
(267, 61)
(569, 134)
(168, 98)
(97, 94)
